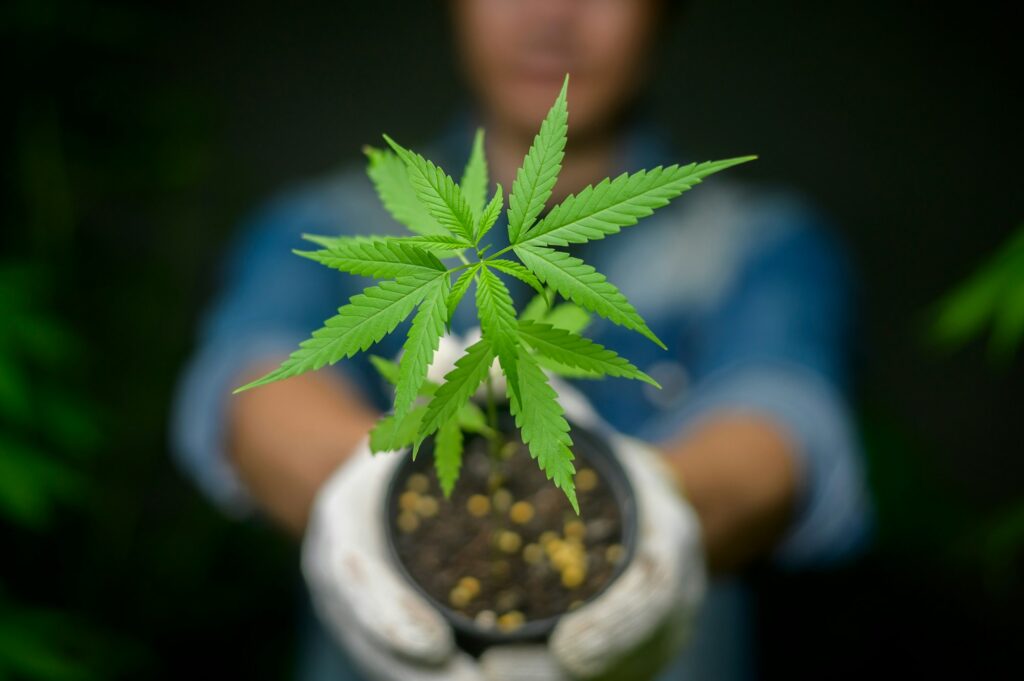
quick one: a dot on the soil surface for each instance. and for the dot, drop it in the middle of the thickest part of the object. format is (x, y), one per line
(506, 548)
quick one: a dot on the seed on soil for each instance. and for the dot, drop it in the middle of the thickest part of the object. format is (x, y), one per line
(408, 500)
(575, 529)
(486, 618)
(564, 557)
(573, 575)
(586, 479)
(460, 596)
(521, 512)
(533, 554)
(511, 620)
(501, 500)
(418, 482)
(509, 542)
(508, 449)
(478, 505)
(509, 599)
(614, 553)
(408, 522)
(470, 584)
(547, 537)
(427, 506)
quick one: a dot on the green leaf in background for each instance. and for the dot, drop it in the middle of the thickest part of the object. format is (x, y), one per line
(438, 192)
(994, 296)
(474, 177)
(390, 178)
(448, 455)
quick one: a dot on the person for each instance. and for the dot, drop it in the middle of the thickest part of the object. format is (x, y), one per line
(745, 285)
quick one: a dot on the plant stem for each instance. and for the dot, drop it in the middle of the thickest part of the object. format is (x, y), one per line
(492, 421)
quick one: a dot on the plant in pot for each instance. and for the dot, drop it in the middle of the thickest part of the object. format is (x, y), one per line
(507, 514)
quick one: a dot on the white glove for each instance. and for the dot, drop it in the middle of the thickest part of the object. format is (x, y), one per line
(394, 634)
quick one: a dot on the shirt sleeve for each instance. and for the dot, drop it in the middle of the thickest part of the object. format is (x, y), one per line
(778, 345)
(270, 301)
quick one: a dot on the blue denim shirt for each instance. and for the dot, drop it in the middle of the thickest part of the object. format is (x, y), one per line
(745, 286)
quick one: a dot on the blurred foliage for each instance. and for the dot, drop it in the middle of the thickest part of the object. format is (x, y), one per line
(993, 297)
(46, 429)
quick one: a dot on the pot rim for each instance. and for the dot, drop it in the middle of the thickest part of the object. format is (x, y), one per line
(470, 635)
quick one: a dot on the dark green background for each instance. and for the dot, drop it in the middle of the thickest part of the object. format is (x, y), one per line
(136, 135)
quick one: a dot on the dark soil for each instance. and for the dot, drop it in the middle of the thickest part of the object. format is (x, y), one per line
(507, 548)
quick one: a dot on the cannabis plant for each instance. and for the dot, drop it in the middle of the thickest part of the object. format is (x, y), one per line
(449, 221)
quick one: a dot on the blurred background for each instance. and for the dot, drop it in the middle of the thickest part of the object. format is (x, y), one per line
(137, 135)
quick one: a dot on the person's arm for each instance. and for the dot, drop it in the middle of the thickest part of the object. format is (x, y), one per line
(285, 439)
(739, 473)
(767, 454)
(268, 449)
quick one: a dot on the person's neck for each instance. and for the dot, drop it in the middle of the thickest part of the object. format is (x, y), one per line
(586, 161)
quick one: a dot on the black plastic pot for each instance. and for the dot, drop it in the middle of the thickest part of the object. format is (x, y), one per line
(588, 447)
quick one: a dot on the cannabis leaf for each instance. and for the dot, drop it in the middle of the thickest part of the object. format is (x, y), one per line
(598, 211)
(576, 351)
(448, 455)
(498, 323)
(536, 178)
(585, 286)
(438, 192)
(459, 385)
(542, 423)
(377, 258)
(368, 317)
(424, 335)
(391, 180)
(449, 220)
(519, 272)
(474, 177)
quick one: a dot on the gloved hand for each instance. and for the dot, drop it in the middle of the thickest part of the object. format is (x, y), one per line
(629, 631)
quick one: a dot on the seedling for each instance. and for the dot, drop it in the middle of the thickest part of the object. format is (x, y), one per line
(449, 221)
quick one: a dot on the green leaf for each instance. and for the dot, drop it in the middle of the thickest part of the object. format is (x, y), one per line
(391, 433)
(577, 351)
(568, 316)
(459, 385)
(490, 215)
(386, 368)
(380, 259)
(390, 178)
(434, 242)
(498, 322)
(536, 178)
(472, 419)
(448, 455)
(418, 351)
(543, 427)
(460, 288)
(585, 286)
(368, 317)
(518, 271)
(474, 177)
(598, 211)
(438, 192)
(538, 306)
(564, 370)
